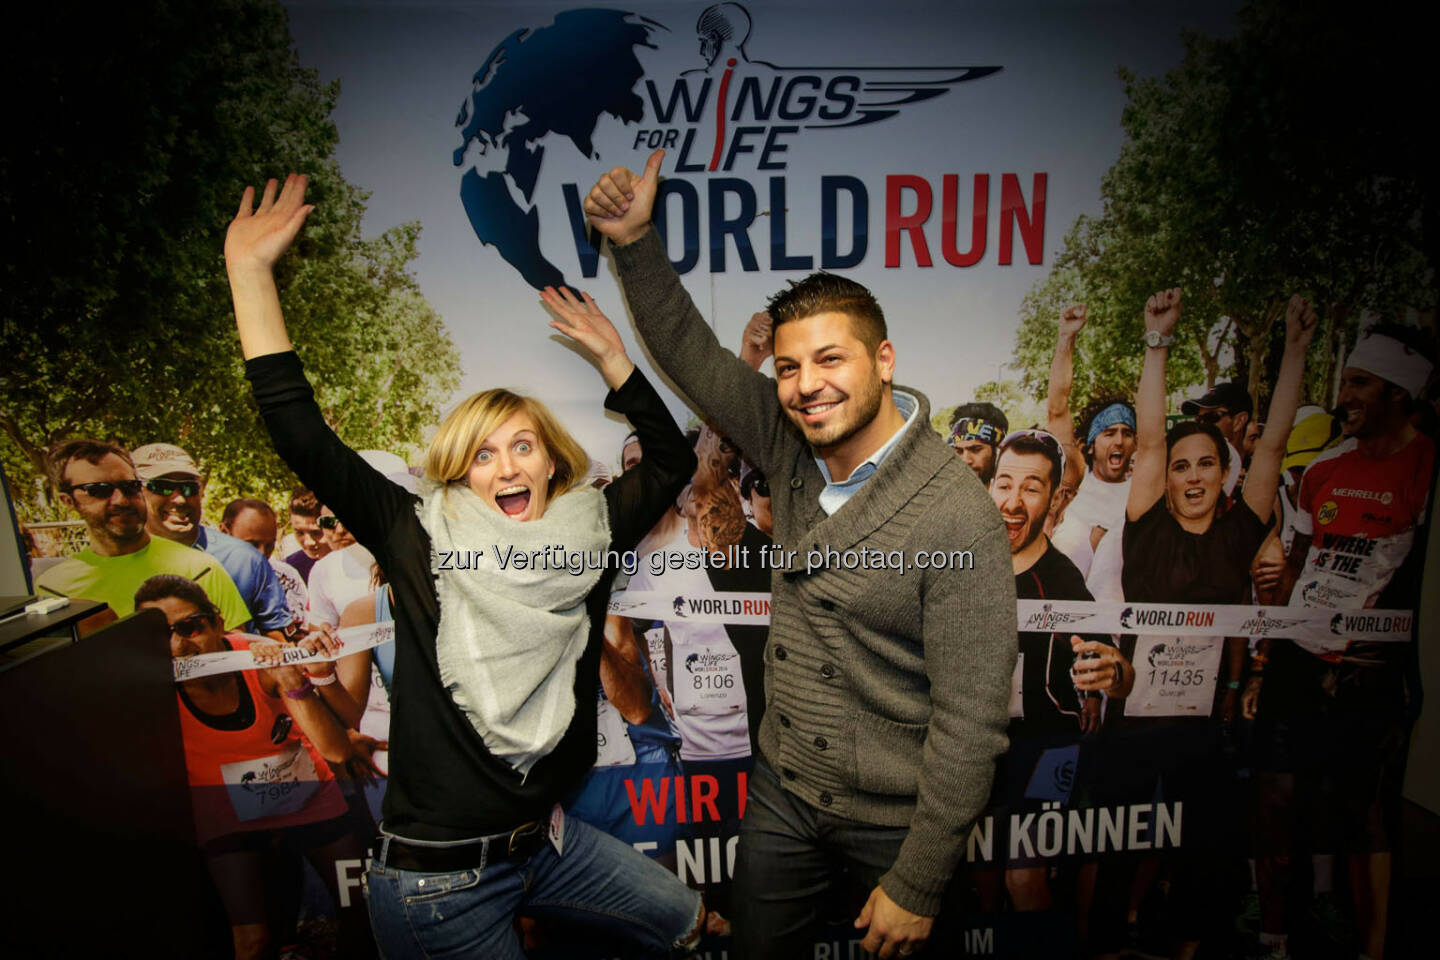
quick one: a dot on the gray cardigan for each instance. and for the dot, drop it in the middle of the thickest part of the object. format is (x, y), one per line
(887, 690)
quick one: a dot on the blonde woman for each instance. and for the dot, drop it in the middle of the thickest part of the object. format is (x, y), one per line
(495, 666)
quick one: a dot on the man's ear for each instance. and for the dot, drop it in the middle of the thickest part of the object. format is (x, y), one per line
(67, 498)
(885, 362)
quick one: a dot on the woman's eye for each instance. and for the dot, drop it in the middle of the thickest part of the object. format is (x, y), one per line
(483, 456)
(522, 447)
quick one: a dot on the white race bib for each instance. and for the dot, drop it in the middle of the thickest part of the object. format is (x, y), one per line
(271, 786)
(707, 680)
(612, 736)
(1174, 676)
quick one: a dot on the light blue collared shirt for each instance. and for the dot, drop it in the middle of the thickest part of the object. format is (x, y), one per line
(835, 494)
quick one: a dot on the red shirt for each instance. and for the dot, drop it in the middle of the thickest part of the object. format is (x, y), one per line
(256, 775)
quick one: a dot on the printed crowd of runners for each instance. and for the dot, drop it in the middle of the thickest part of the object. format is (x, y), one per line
(1299, 746)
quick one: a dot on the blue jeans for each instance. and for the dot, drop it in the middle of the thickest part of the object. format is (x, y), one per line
(598, 882)
(793, 865)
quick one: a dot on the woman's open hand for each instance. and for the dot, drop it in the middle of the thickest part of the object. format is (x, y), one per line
(258, 236)
(583, 322)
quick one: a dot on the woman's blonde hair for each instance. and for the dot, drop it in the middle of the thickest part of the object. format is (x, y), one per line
(455, 444)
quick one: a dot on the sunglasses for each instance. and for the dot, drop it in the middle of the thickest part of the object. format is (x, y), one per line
(1044, 438)
(1212, 417)
(103, 490)
(191, 626)
(329, 522)
(168, 488)
(760, 487)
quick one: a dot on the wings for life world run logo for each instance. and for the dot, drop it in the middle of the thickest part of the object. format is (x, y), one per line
(726, 115)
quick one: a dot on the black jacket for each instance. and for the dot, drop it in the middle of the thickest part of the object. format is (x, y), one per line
(444, 784)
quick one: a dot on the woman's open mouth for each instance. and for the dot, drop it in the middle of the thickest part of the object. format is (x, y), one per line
(513, 501)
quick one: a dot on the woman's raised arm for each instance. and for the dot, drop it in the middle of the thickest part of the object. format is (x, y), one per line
(1147, 482)
(256, 239)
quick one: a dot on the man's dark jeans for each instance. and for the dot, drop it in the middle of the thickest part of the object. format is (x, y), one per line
(796, 864)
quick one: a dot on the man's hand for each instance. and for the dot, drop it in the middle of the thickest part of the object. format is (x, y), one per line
(621, 203)
(588, 326)
(1162, 311)
(758, 340)
(894, 931)
(257, 237)
(1072, 321)
(1300, 323)
(1098, 667)
(1250, 698)
(1267, 570)
(322, 639)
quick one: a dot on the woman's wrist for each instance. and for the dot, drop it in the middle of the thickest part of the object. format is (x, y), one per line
(616, 370)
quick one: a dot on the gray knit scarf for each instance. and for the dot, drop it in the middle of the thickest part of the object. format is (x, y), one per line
(509, 639)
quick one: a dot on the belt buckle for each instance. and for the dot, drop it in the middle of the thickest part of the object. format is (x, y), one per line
(519, 833)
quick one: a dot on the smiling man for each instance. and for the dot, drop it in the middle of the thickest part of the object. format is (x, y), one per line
(886, 689)
(1058, 682)
(98, 480)
(1361, 513)
(175, 496)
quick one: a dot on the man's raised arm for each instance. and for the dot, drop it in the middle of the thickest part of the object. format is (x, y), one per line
(739, 400)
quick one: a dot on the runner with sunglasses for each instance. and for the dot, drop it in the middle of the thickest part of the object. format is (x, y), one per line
(98, 480)
(256, 746)
(495, 670)
(175, 497)
(340, 577)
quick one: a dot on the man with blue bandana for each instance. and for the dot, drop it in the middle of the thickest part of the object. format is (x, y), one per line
(1099, 504)
(1099, 499)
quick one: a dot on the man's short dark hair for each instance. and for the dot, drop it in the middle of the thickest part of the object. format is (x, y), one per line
(829, 293)
(1023, 443)
(980, 411)
(304, 502)
(81, 448)
(167, 585)
(234, 508)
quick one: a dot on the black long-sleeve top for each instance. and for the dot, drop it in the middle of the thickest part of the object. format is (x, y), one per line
(444, 784)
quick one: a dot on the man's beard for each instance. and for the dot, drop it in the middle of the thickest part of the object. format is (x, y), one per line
(125, 527)
(862, 409)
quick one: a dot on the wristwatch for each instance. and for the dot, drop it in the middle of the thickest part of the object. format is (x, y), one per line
(1154, 338)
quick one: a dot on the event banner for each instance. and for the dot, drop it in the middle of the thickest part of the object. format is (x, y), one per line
(1175, 325)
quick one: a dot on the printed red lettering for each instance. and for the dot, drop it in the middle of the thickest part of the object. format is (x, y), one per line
(1013, 214)
(913, 223)
(647, 801)
(703, 790)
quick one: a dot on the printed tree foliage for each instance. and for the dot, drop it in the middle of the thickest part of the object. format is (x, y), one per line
(1257, 168)
(136, 137)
